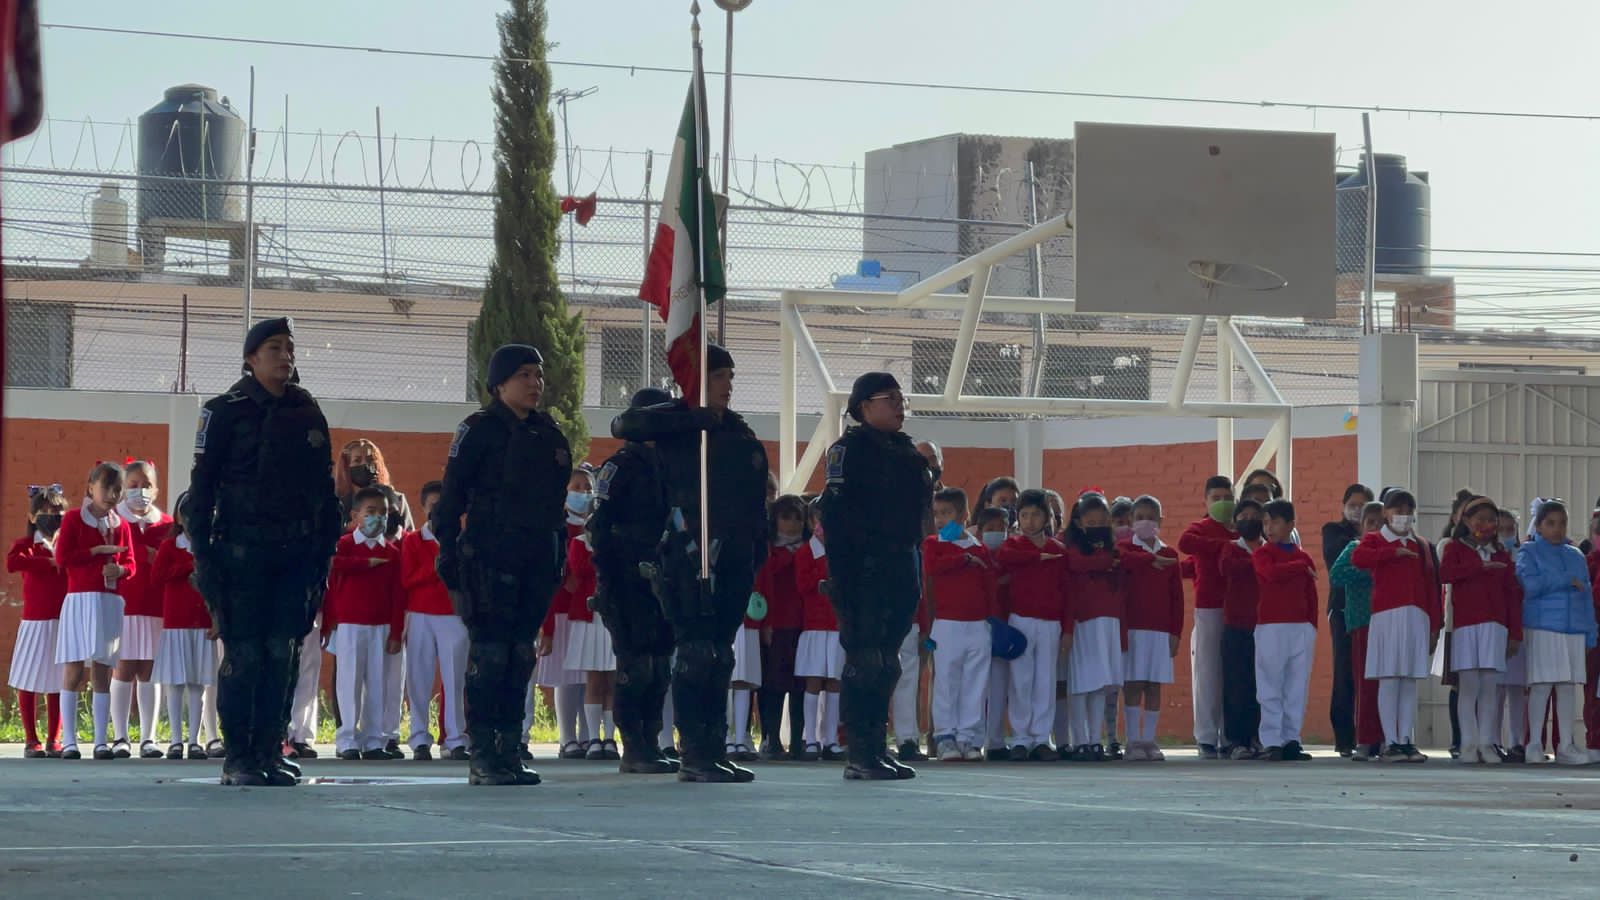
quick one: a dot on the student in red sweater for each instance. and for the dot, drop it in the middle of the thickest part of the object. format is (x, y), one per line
(780, 630)
(962, 579)
(141, 614)
(436, 640)
(95, 549)
(34, 669)
(819, 657)
(1241, 710)
(1202, 543)
(1036, 565)
(1486, 612)
(1406, 617)
(1286, 633)
(186, 661)
(365, 610)
(1094, 637)
(992, 530)
(1155, 625)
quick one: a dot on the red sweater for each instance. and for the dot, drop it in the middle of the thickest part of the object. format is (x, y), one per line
(560, 602)
(1155, 596)
(1204, 541)
(1242, 594)
(139, 596)
(1397, 581)
(1038, 586)
(425, 593)
(43, 585)
(1479, 594)
(360, 593)
(964, 587)
(810, 570)
(579, 584)
(1287, 579)
(776, 582)
(1096, 587)
(73, 544)
(181, 605)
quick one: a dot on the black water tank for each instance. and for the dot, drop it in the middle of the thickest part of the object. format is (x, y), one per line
(1404, 228)
(188, 144)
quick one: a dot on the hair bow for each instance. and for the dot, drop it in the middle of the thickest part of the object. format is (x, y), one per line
(1091, 490)
(35, 490)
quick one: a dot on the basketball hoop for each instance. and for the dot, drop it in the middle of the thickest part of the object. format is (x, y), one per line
(1239, 276)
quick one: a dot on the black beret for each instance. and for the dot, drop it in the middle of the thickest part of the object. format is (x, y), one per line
(265, 329)
(507, 359)
(717, 358)
(866, 386)
(650, 396)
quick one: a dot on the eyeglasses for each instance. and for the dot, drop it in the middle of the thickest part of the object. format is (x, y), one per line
(895, 398)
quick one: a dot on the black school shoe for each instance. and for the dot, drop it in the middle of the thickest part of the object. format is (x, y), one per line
(458, 754)
(120, 749)
(1293, 752)
(1019, 753)
(303, 750)
(1114, 751)
(350, 755)
(997, 754)
(910, 751)
(1272, 754)
(1043, 753)
(1209, 751)
(374, 755)
(392, 750)
(71, 752)
(422, 754)
(771, 750)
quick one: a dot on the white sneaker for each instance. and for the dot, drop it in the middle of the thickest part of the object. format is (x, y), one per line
(1489, 757)
(1534, 755)
(1569, 755)
(972, 754)
(1135, 752)
(1469, 756)
(949, 752)
(1152, 752)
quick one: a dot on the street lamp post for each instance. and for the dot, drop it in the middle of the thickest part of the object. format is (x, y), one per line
(731, 7)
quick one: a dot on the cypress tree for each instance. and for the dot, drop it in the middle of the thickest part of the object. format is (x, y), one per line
(522, 300)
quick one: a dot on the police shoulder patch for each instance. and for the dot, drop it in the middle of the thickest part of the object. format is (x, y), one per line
(836, 463)
(602, 481)
(461, 432)
(200, 431)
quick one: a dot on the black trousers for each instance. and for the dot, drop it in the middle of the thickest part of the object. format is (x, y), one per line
(705, 618)
(778, 682)
(642, 640)
(875, 596)
(1241, 714)
(502, 609)
(1342, 703)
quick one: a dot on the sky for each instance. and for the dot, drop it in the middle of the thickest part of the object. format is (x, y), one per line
(1499, 183)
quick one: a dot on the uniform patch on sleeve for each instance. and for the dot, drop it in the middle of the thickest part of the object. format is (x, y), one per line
(455, 444)
(200, 432)
(602, 481)
(836, 464)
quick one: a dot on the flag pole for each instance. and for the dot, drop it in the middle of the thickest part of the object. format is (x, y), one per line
(698, 89)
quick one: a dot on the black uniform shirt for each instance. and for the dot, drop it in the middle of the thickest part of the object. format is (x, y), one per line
(630, 508)
(878, 492)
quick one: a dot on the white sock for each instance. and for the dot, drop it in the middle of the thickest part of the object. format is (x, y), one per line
(1389, 709)
(575, 707)
(608, 728)
(591, 717)
(196, 696)
(175, 713)
(741, 716)
(1538, 701)
(69, 719)
(813, 725)
(101, 704)
(1468, 687)
(566, 715)
(1097, 716)
(1134, 716)
(149, 706)
(1063, 723)
(121, 705)
(1569, 710)
(1488, 710)
(1078, 719)
(1517, 706)
(1151, 717)
(666, 721)
(1408, 710)
(830, 720)
(208, 713)
(1109, 715)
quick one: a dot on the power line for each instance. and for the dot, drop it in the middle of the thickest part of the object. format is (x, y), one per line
(634, 68)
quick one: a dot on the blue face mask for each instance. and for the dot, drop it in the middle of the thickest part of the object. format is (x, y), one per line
(374, 525)
(952, 531)
(578, 502)
(993, 539)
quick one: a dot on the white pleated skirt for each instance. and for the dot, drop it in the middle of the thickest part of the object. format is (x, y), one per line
(91, 628)
(1516, 673)
(551, 671)
(33, 659)
(747, 656)
(589, 647)
(1553, 657)
(185, 657)
(820, 655)
(1147, 658)
(1095, 662)
(1397, 644)
(1480, 646)
(141, 637)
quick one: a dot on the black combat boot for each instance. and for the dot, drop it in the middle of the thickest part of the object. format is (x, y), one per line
(487, 767)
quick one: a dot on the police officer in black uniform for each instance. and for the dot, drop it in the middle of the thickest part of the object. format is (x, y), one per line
(630, 513)
(705, 617)
(507, 473)
(263, 521)
(873, 507)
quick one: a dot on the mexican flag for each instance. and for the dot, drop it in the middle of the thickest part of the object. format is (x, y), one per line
(684, 273)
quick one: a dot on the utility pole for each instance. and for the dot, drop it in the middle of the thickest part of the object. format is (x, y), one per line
(731, 7)
(562, 98)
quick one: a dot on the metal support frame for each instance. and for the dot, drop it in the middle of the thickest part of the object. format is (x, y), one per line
(1232, 350)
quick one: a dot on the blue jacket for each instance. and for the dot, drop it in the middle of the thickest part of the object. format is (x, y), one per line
(1549, 601)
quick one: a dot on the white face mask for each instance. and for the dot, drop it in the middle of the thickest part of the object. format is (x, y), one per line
(139, 498)
(372, 526)
(1400, 524)
(1352, 514)
(993, 539)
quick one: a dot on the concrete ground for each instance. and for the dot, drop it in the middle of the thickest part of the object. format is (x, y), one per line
(1180, 828)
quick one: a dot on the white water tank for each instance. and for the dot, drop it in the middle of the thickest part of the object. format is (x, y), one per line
(108, 228)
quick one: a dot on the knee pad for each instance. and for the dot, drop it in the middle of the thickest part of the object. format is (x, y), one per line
(241, 656)
(488, 658)
(633, 671)
(866, 665)
(701, 660)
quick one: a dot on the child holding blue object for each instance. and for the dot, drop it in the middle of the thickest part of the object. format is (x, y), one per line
(1558, 624)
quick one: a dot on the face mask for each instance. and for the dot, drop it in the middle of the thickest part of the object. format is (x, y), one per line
(951, 531)
(374, 524)
(139, 498)
(1221, 511)
(578, 502)
(1146, 530)
(363, 475)
(48, 524)
(1121, 533)
(993, 539)
(1400, 524)
(1249, 529)
(1352, 514)
(1100, 535)
(1510, 540)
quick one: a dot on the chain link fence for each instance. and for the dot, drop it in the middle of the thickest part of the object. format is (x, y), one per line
(125, 282)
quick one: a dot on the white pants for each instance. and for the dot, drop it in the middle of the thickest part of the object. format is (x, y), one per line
(904, 705)
(436, 641)
(394, 683)
(1283, 675)
(960, 679)
(360, 687)
(1205, 668)
(303, 716)
(1032, 708)
(994, 709)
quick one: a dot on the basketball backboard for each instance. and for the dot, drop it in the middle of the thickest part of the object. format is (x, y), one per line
(1204, 221)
